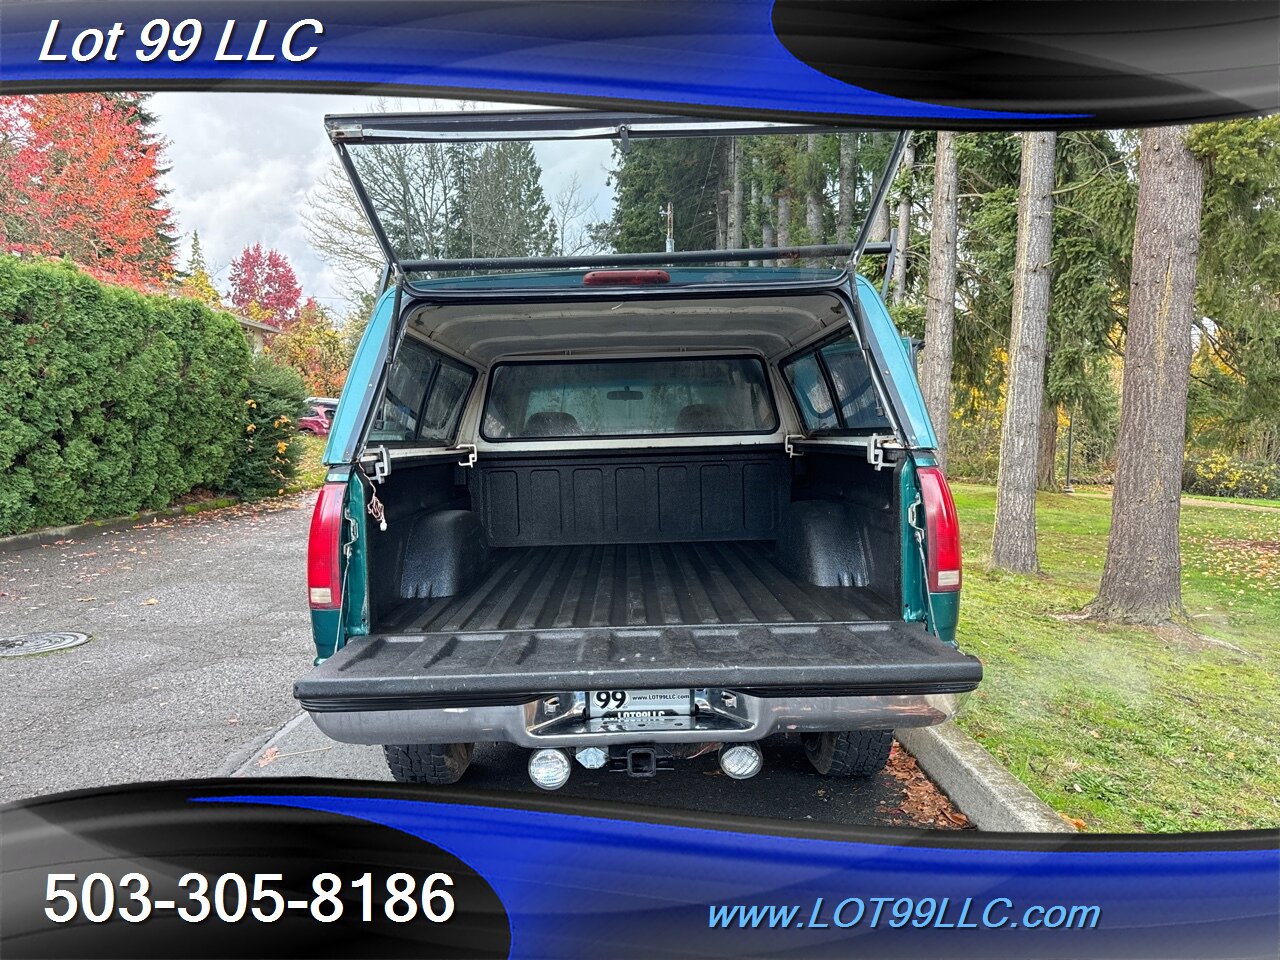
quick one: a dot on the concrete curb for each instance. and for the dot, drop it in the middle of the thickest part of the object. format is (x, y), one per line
(988, 794)
(239, 762)
(50, 535)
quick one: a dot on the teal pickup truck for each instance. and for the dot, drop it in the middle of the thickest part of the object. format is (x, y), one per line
(623, 509)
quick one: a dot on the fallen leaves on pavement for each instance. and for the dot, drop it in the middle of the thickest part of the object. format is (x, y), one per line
(269, 756)
(922, 801)
(272, 754)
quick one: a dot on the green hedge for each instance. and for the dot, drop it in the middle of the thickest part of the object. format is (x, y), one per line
(112, 401)
(269, 444)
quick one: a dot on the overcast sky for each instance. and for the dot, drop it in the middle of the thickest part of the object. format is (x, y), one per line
(241, 166)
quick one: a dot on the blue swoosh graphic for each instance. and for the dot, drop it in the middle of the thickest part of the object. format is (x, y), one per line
(711, 53)
(570, 881)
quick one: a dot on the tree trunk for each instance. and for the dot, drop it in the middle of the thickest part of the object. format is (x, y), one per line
(940, 312)
(722, 219)
(813, 199)
(846, 180)
(1141, 581)
(813, 218)
(1047, 457)
(1013, 545)
(755, 214)
(735, 195)
(768, 235)
(783, 224)
(879, 231)
(904, 227)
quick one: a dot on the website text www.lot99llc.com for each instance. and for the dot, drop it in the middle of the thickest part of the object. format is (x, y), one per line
(895, 912)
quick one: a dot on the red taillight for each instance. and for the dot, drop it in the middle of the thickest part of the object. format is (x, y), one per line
(942, 530)
(324, 567)
(606, 278)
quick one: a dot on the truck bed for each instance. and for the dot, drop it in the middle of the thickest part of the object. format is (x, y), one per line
(628, 585)
(711, 614)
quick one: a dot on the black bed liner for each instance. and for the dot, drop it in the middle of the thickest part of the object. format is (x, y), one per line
(593, 617)
(621, 585)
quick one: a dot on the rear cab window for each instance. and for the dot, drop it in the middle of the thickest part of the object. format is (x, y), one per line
(629, 398)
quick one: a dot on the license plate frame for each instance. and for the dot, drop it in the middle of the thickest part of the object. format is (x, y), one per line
(632, 704)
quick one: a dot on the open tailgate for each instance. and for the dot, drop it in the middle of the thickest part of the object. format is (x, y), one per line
(405, 672)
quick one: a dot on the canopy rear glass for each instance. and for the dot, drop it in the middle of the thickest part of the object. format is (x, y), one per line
(456, 194)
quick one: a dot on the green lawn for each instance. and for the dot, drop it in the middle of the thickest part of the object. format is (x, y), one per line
(1191, 498)
(1131, 729)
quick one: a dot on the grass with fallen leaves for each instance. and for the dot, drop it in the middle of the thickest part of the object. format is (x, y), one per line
(1129, 728)
(311, 468)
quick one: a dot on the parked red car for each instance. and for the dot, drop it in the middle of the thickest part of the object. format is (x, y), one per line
(318, 416)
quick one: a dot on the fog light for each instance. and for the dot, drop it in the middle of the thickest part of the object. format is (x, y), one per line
(741, 761)
(549, 769)
(593, 758)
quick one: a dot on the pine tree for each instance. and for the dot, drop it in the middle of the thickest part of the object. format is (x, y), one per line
(195, 259)
(198, 286)
(846, 181)
(1235, 390)
(680, 171)
(905, 178)
(500, 209)
(1092, 244)
(137, 107)
(813, 182)
(1014, 541)
(1142, 579)
(1092, 239)
(939, 330)
(196, 282)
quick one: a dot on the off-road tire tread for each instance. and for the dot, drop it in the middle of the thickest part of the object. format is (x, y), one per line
(435, 763)
(849, 753)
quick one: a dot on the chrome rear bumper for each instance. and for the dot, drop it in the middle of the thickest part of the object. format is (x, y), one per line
(562, 720)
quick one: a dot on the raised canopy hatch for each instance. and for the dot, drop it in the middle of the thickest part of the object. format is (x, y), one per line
(413, 175)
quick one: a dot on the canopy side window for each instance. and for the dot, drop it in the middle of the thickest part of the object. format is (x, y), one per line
(834, 390)
(424, 397)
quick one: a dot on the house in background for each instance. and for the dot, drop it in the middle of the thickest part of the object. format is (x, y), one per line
(257, 333)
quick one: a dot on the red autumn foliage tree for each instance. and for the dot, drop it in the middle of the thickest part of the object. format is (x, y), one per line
(79, 178)
(264, 286)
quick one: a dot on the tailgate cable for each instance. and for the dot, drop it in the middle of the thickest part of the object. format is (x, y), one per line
(912, 522)
(375, 509)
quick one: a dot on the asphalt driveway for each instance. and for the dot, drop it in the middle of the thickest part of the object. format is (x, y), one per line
(199, 627)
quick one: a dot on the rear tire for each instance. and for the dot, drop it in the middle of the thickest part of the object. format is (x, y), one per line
(435, 763)
(849, 753)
